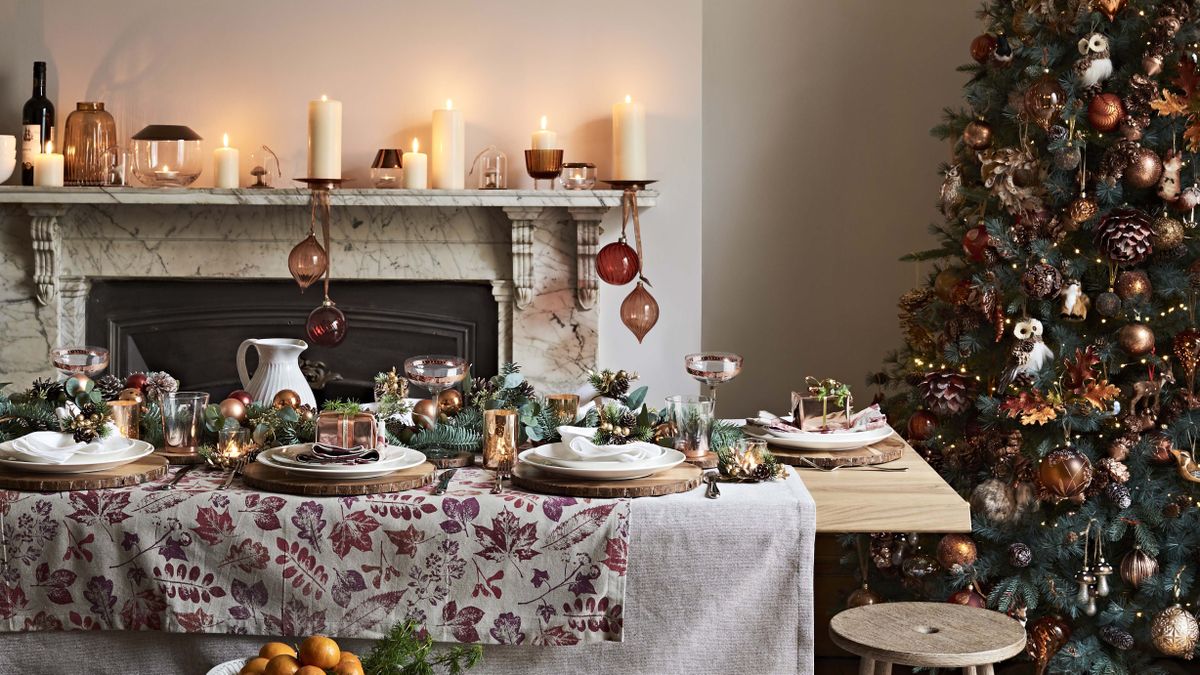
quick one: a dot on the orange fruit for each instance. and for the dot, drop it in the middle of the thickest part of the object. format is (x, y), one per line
(350, 656)
(273, 649)
(284, 664)
(254, 666)
(310, 670)
(348, 667)
(320, 651)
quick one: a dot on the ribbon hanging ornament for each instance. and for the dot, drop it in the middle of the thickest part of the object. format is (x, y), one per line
(326, 325)
(639, 310)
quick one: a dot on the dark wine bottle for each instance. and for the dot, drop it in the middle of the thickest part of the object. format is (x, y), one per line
(37, 120)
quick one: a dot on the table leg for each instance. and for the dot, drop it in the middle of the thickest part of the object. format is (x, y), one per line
(883, 668)
(866, 666)
(970, 670)
(985, 669)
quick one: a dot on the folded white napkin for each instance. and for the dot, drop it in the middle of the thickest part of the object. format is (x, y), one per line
(47, 447)
(584, 450)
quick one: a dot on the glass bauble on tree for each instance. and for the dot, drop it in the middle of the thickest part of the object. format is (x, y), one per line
(326, 325)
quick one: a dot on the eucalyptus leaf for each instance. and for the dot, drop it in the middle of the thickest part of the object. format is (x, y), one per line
(231, 424)
(636, 397)
(289, 415)
(513, 380)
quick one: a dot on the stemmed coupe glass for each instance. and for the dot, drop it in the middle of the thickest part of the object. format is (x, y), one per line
(713, 368)
(435, 373)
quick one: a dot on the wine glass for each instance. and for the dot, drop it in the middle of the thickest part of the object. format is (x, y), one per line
(435, 373)
(75, 360)
(713, 368)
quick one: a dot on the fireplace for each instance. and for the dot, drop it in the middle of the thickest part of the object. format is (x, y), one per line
(192, 328)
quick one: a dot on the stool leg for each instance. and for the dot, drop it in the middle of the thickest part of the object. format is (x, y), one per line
(970, 670)
(883, 668)
(986, 669)
(866, 666)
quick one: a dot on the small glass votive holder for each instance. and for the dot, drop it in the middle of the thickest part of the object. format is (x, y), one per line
(578, 175)
(692, 417)
(750, 451)
(127, 418)
(182, 420)
(492, 165)
(385, 169)
(543, 165)
(500, 438)
(564, 407)
(233, 444)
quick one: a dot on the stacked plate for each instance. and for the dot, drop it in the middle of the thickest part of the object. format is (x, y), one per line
(811, 440)
(390, 460)
(577, 457)
(54, 452)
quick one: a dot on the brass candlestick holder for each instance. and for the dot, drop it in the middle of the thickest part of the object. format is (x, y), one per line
(543, 165)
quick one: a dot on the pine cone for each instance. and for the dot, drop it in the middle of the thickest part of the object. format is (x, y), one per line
(46, 390)
(1119, 495)
(1124, 235)
(110, 386)
(1019, 554)
(1117, 637)
(764, 472)
(1041, 281)
(946, 393)
(1118, 472)
(159, 383)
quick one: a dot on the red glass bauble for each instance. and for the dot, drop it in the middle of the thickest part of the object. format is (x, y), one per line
(639, 311)
(921, 425)
(617, 263)
(326, 325)
(969, 597)
(136, 381)
(241, 395)
(307, 261)
(975, 243)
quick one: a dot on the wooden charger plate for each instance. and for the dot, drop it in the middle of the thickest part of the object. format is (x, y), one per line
(269, 478)
(888, 450)
(150, 467)
(678, 479)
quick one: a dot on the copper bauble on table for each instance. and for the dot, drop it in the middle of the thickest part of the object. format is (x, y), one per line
(617, 263)
(1168, 233)
(241, 395)
(1105, 112)
(285, 398)
(639, 311)
(1047, 635)
(1136, 339)
(326, 325)
(425, 413)
(975, 243)
(1064, 474)
(1137, 566)
(1144, 169)
(982, 47)
(232, 407)
(956, 552)
(1044, 100)
(1133, 284)
(863, 596)
(921, 425)
(977, 135)
(450, 402)
(308, 261)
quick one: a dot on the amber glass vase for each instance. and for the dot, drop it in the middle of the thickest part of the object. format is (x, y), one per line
(89, 145)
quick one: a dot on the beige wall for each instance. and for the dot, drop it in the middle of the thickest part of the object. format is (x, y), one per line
(818, 175)
(249, 67)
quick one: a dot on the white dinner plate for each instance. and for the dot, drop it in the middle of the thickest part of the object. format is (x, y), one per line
(388, 456)
(411, 458)
(813, 441)
(113, 447)
(669, 459)
(544, 453)
(82, 463)
(228, 668)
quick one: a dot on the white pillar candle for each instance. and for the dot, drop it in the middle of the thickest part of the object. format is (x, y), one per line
(449, 148)
(415, 165)
(324, 138)
(225, 165)
(629, 140)
(544, 139)
(48, 167)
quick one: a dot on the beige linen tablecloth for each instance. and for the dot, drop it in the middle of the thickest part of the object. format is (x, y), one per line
(713, 586)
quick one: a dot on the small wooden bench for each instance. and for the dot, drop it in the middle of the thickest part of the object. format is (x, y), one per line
(928, 634)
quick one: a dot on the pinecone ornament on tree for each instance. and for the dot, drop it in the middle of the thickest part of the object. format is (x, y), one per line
(1124, 235)
(946, 392)
(1117, 637)
(1119, 495)
(1041, 281)
(1019, 554)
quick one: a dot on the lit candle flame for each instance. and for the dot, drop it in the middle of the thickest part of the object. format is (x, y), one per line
(225, 140)
(324, 97)
(166, 168)
(49, 147)
(628, 98)
(449, 104)
(416, 145)
(543, 122)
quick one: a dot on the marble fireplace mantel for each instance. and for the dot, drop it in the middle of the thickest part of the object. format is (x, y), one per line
(536, 248)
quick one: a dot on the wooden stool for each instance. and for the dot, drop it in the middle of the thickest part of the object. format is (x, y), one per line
(929, 634)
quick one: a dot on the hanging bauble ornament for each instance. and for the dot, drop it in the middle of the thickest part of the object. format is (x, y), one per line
(975, 243)
(956, 552)
(921, 425)
(977, 135)
(969, 597)
(1144, 170)
(1081, 210)
(1133, 285)
(232, 407)
(285, 398)
(945, 283)
(131, 394)
(862, 597)
(1064, 474)
(1108, 304)
(1041, 281)
(307, 261)
(450, 402)
(1105, 112)
(919, 565)
(241, 395)
(1175, 630)
(1124, 235)
(1136, 339)
(639, 311)
(1137, 566)
(982, 48)
(136, 381)
(617, 263)
(1044, 100)
(1168, 233)
(1019, 554)
(326, 325)
(1067, 158)
(1109, 8)
(1046, 636)
(425, 413)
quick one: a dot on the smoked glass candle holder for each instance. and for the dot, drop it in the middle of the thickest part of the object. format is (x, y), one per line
(90, 145)
(167, 155)
(692, 418)
(564, 407)
(385, 170)
(543, 165)
(127, 418)
(79, 360)
(182, 420)
(578, 175)
(500, 439)
(492, 165)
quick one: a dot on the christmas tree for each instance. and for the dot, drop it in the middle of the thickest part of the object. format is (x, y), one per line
(1049, 365)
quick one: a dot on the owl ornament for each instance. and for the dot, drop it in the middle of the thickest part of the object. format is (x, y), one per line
(1094, 65)
(1030, 352)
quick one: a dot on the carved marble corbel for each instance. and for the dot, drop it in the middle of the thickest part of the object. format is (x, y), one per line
(44, 228)
(522, 218)
(587, 241)
(502, 291)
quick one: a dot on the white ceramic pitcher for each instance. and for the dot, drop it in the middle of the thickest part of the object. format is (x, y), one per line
(278, 369)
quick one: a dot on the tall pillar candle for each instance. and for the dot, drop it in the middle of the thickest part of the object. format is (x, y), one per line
(48, 168)
(543, 138)
(324, 138)
(225, 165)
(629, 140)
(415, 165)
(449, 148)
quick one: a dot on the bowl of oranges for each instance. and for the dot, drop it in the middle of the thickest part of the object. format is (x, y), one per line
(316, 655)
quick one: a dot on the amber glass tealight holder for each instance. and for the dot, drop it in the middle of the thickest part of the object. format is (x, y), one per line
(499, 439)
(127, 418)
(543, 165)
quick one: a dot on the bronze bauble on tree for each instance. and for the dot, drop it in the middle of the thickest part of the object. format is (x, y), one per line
(969, 597)
(1175, 631)
(1136, 339)
(307, 261)
(921, 425)
(863, 596)
(955, 552)
(450, 402)
(1168, 233)
(1137, 566)
(1108, 304)
(1109, 8)
(1064, 474)
(982, 48)
(1044, 100)
(425, 413)
(977, 135)
(945, 283)
(617, 263)
(1081, 210)
(1133, 284)
(1144, 169)
(639, 311)
(286, 398)
(1105, 112)
(1047, 635)
(231, 407)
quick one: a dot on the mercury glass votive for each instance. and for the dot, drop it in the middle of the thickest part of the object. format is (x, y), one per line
(500, 438)
(578, 175)
(127, 418)
(564, 407)
(692, 417)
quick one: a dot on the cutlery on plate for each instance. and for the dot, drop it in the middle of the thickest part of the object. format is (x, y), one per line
(178, 477)
(444, 481)
(809, 464)
(711, 491)
(234, 472)
(502, 472)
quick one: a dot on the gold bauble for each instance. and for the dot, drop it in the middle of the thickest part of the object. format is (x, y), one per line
(945, 283)
(1137, 566)
(1064, 474)
(1080, 211)
(977, 135)
(286, 398)
(862, 597)
(231, 407)
(1136, 339)
(450, 402)
(425, 413)
(1144, 170)
(1168, 233)
(956, 551)
(307, 413)
(1133, 284)
(132, 394)
(1044, 99)
(1175, 631)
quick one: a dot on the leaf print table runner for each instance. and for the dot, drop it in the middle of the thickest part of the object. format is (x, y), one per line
(514, 568)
